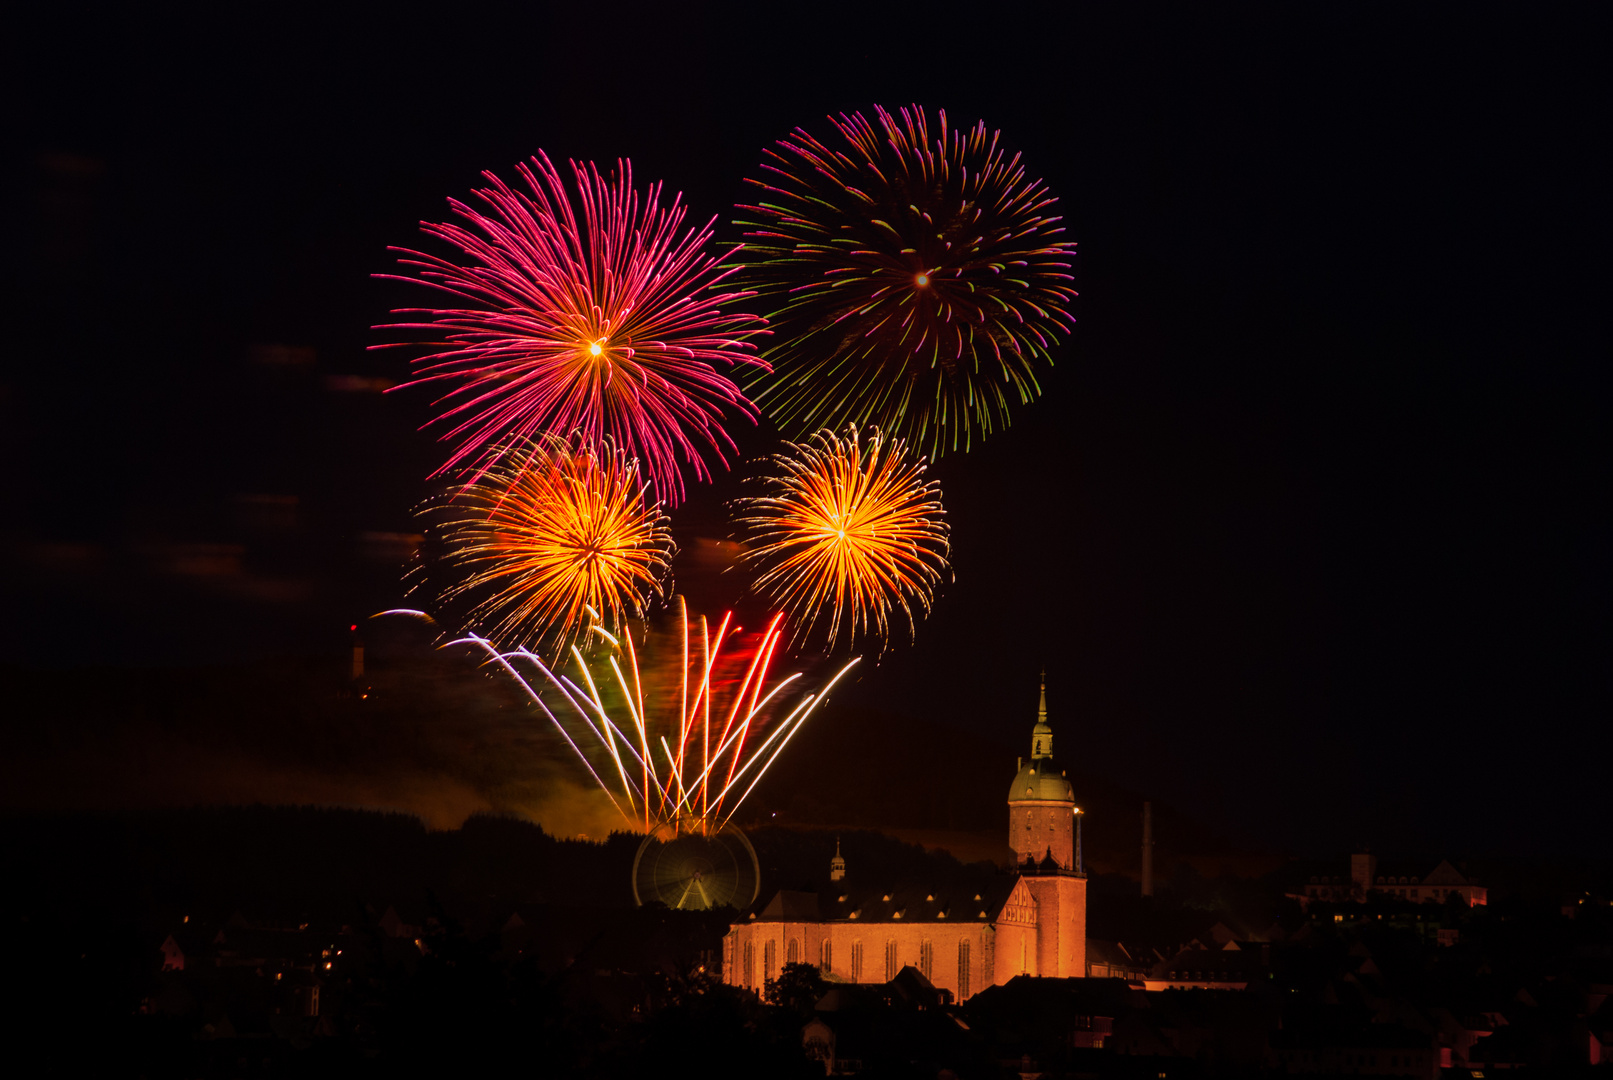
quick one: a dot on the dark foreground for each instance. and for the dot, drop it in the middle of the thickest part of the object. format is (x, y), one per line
(283, 942)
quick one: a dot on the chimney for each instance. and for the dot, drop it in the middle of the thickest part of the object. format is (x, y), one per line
(1148, 849)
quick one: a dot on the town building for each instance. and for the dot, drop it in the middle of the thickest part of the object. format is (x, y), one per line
(963, 935)
(1368, 879)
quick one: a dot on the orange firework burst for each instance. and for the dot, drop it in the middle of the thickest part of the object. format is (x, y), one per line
(849, 527)
(551, 530)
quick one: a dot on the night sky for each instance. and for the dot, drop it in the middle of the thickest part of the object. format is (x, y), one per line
(1310, 526)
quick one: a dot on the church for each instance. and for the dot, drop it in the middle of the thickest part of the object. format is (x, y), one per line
(963, 935)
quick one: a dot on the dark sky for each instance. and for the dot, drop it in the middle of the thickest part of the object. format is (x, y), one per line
(1310, 527)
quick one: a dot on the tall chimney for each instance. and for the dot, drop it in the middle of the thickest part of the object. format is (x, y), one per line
(1148, 849)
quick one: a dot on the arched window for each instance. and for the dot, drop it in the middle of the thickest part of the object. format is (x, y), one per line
(926, 958)
(750, 965)
(963, 969)
(856, 961)
(792, 952)
(890, 961)
(769, 957)
(826, 962)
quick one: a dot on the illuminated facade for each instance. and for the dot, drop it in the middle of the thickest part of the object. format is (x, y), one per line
(1032, 922)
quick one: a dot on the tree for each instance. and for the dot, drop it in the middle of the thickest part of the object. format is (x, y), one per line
(797, 988)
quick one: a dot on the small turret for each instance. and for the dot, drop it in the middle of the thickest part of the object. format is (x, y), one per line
(1042, 733)
(837, 865)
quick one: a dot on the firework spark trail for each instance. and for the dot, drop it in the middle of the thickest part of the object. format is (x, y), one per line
(655, 782)
(918, 276)
(849, 527)
(503, 661)
(554, 533)
(611, 324)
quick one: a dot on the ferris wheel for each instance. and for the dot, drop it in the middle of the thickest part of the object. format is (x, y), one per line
(692, 871)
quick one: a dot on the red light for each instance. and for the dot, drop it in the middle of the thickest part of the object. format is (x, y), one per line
(353, 627)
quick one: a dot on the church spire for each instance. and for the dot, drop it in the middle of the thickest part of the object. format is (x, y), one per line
(1042, 734)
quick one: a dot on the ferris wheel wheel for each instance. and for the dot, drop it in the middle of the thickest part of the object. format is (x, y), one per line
(691, 871)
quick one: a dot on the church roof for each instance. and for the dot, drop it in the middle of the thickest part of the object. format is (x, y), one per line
(1040, 778)
(965, 897)
(791, 905)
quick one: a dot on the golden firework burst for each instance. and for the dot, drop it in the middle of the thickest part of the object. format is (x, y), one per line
(848, 529)
(549, 531)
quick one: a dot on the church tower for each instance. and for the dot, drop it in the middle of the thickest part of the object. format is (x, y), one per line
(1044, 832)
(1041, 803)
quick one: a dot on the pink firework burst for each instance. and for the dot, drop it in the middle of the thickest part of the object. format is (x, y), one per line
(606, 323)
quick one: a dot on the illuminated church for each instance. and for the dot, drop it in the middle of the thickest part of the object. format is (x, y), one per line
(963, 935)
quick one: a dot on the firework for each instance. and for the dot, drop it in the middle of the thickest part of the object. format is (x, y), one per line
(549, 531)
(848, 527)
(608, 323)
(919, 277)
(682, 755)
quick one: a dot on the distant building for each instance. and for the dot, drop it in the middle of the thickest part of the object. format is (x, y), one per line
(1367, 878)
(1234, 966)
(1112, 960)
(961, 940)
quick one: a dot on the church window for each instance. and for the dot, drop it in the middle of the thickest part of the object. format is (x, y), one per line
(828, 957)
(769, 956)
(890, 960)
(750, 964)
(963, 969)
(856, 961)
(792, 952)
(926, 958)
